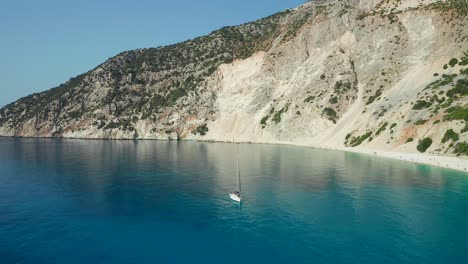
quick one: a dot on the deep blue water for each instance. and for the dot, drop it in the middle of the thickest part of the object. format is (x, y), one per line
(79, 201)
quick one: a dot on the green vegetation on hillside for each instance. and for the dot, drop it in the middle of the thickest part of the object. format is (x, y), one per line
(421, 104)
(277, 116)
(377, 94)
(461, 149)
(457, 113)
(453, 86)
(264, 120)
(460, 7)
(420, 122)
(460, 89)
(356, 141)
(202, 130)
(309, 99)
(453, 62)
(424, 144)
(381, 129)
(450, 135)
(330, 113)
(295, 26)
(341, 86)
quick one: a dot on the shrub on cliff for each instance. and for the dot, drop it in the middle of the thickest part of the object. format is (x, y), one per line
(424, 144)
(450, 135)
(421, 104)
(453, 62)
(461, 149)
(457, 114)
(201, 130)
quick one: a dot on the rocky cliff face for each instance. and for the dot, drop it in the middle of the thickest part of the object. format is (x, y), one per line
(388, 75)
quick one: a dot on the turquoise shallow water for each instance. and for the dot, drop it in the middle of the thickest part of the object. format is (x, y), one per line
(79, 201)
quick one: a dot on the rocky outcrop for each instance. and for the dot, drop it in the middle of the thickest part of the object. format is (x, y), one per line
(385, 75)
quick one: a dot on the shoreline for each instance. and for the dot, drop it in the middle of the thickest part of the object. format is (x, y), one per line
(453, 163)
(446, 162)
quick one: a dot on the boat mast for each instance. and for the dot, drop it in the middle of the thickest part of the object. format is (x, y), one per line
(238, 174)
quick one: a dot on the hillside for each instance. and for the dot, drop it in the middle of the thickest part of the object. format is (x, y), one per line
(373, 75)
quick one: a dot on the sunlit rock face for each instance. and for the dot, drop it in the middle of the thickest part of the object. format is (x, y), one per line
(375, 74)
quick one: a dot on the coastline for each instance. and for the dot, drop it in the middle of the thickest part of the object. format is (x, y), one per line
(453, 163)
(447, 162)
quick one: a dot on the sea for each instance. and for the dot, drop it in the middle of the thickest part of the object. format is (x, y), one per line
(109, 201)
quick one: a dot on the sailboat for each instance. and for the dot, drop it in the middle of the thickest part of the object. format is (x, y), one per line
(236, 195)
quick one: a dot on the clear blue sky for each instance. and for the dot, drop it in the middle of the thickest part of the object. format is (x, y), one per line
(44, 43)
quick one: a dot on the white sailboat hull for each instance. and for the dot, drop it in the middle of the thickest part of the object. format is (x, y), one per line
(235, 197)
